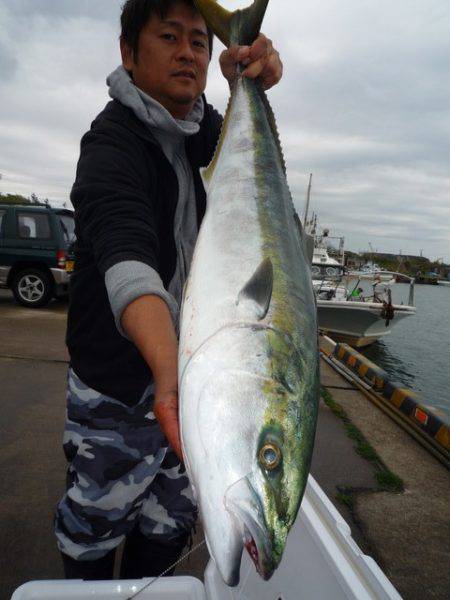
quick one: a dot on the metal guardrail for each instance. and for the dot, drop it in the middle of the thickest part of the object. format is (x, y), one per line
(400, 404)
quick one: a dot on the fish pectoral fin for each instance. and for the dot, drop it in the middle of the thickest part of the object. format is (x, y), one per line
(258, 290)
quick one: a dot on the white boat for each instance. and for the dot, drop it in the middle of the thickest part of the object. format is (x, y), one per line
(347, 315)
(369, 271)
(357, 323)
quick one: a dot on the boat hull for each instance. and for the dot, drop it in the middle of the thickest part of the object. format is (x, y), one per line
(358, 324)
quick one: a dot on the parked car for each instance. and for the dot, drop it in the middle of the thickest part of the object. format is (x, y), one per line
(33, 252)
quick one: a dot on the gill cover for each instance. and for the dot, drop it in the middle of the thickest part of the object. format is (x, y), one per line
(240, 27)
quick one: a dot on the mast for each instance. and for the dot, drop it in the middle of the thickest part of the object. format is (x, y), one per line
(308, 198)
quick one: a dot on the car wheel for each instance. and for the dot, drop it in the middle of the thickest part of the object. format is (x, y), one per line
(32, 288)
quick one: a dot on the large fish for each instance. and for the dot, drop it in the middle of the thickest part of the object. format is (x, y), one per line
(248, 363)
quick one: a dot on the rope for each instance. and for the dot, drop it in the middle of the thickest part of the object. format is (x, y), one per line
(152, 581)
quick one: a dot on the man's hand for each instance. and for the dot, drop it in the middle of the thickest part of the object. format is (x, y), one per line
(260, 60)
(166, 413)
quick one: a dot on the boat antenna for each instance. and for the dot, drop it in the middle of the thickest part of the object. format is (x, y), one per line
(308, 198)
(341, 248)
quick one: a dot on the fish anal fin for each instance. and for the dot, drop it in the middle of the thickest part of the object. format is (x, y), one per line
(206, 175)
(257, 292)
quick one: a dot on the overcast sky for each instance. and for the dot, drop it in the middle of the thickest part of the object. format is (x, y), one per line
(364, 105)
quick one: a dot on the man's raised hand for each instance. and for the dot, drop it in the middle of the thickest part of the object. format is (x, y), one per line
(260, 60)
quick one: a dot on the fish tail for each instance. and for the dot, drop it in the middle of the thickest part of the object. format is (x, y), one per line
(240, 27)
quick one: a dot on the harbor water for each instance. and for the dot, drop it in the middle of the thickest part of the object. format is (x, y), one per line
(417, 351)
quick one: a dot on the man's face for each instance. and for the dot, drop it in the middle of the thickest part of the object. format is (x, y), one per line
(172, 61)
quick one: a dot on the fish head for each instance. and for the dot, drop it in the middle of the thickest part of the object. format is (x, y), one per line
(254, 429)
(265, 502)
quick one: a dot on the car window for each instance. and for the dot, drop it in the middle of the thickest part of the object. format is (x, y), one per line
(67, 223)
(33, 226)
(2, 213)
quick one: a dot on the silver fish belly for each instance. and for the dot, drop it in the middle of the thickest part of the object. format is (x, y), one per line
(248, 362)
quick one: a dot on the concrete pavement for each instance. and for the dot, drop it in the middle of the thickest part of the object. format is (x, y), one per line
(409, 532)
(32, 466)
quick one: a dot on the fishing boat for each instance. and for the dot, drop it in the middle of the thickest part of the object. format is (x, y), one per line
(347, 313)
(369, 271)
(427, 278)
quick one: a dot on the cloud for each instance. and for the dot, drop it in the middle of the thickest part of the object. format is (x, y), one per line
(62, 9)
(8, 63)
(363, 105)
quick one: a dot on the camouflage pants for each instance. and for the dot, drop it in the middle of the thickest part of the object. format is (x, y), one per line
(121, 474)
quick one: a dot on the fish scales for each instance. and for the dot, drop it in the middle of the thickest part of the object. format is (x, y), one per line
(248, 364)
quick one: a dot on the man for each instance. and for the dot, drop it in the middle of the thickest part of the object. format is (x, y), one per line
(380, 289)
(138, 202)
(357, 294)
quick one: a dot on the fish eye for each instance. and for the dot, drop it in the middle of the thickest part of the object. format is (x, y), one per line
(270, 456)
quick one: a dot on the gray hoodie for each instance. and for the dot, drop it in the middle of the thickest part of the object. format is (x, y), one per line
(128, 280)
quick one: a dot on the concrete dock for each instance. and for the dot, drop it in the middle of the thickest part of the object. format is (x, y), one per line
(407, 533)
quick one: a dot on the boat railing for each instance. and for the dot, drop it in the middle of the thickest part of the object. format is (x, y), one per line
(402, 275)
(334, 284)
(393, 275)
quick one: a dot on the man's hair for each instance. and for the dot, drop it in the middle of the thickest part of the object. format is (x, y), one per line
(137, 13)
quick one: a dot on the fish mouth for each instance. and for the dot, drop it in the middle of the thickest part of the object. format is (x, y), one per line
(242, 501)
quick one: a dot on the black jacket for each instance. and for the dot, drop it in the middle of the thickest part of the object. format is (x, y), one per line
(125, 196)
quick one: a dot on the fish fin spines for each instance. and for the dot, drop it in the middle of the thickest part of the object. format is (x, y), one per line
(239, 27)
(207, 172)
(258, 289)
(276, 136)
(273, 124)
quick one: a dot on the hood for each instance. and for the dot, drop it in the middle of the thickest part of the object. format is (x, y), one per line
(151, 112)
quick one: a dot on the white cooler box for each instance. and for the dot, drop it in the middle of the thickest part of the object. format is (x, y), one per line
(321, 562)
(166, 588)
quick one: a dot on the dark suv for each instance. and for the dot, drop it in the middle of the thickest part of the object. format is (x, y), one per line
(33, 252)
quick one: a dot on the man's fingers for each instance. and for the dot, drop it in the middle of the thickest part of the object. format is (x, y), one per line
(272, 72)
(265, 63)
(234, 55)
(260, 60)
(261, 48)
(243, 55)
(166, 413)
(255, 68)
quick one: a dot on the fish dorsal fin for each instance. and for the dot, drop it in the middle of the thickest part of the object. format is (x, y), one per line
(256, 294)
(238, 27)
(207, 172)
(273, 125)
